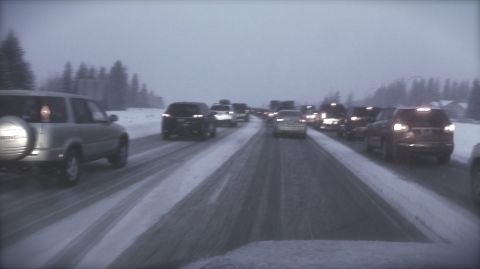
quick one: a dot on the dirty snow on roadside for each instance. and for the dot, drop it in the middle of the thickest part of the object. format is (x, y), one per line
(466, 136)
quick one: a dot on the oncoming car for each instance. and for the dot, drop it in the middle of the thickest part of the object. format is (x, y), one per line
(329, 116)
(356, 120)
(56, 132)
(290, 122)
(400, 131)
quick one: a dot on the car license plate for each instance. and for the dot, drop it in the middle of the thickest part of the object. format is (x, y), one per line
(180, 120)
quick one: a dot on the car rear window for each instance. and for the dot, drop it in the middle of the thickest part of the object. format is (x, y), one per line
(412, 115)
(240, 107)
(364, 112)
(183, 110)
(220, 108)
(28, 108)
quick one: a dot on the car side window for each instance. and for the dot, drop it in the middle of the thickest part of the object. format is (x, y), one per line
(98, 115)
(80, 111)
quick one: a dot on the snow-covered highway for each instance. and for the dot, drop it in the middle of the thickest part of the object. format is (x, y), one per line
(180, 201)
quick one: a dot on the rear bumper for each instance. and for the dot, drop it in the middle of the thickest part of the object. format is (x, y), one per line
(185, 128)
(427, 148)
(298, 129)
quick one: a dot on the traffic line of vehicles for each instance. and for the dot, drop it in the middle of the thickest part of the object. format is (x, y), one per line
(398, 133)
(54, 133)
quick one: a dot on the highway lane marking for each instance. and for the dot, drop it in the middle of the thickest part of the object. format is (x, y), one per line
(435, 216)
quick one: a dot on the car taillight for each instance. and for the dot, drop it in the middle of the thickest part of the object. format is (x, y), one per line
(400, 127)
(449, 128)
(45, 113)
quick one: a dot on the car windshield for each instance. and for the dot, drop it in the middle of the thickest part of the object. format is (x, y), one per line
(413, 115)
(289, 113)
(220, 108)
(220, 134)
(28, 108)
(239, 107)
(184, 110)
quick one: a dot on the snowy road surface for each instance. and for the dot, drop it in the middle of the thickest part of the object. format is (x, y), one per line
(180, 201)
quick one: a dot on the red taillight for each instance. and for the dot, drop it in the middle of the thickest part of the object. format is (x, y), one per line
(45, 113)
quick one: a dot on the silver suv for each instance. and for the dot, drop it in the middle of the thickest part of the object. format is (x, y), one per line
(475, 173)
(57, 132)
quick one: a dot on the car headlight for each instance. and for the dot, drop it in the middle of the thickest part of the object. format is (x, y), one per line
(198, 116)
(323, 115)
(166, 115)
(354, 118)
(279, 119)
(449, 128)
(399, 127)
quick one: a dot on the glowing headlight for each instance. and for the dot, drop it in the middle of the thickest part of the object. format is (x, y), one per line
(166, 115)
(198, 116)
(280, 119)
(354, 118)
(323, 115)
(398, 127)
(449, 128)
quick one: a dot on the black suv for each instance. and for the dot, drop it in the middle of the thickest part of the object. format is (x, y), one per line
(242, 111)
(425, 131)
(356, 120)
(329, 116)
(188, 118)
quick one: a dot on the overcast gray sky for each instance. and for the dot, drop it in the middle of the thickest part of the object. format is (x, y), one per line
(252, 51)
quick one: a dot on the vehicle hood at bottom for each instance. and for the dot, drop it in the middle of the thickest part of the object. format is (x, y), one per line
(342, 254)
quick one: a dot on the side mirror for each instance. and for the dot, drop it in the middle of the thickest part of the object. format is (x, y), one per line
(113, 118)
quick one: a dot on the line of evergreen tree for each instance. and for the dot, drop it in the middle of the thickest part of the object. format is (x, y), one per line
(112, 89)
(15, 72)
(427, 91)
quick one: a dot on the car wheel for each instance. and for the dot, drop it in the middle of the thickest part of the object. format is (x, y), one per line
(120, 158)
(443, 159)
(214, 132)
(339, 133)
(203, 135)
(368, 147)
(69, 172)
(386, 151)
(166, 136)
(349, 136)
(475, 183)
(303, 136)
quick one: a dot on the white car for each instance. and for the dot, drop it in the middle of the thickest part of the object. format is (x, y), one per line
(290, 122)
(225, 115)
(475, 173)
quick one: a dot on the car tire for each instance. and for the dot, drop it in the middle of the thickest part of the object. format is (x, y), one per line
(69, 171)
(120, 158)
(203, 135)
(21, 145)
(303, 136)
(349, 136)
(214, 132)
(368, 147)
(165, 136)
(339, 133)
(443, 159)
(387, 151)
(475, 183)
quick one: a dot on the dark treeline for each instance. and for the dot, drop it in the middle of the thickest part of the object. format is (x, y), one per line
(111, 88)
(15, 72)
(460, 99)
